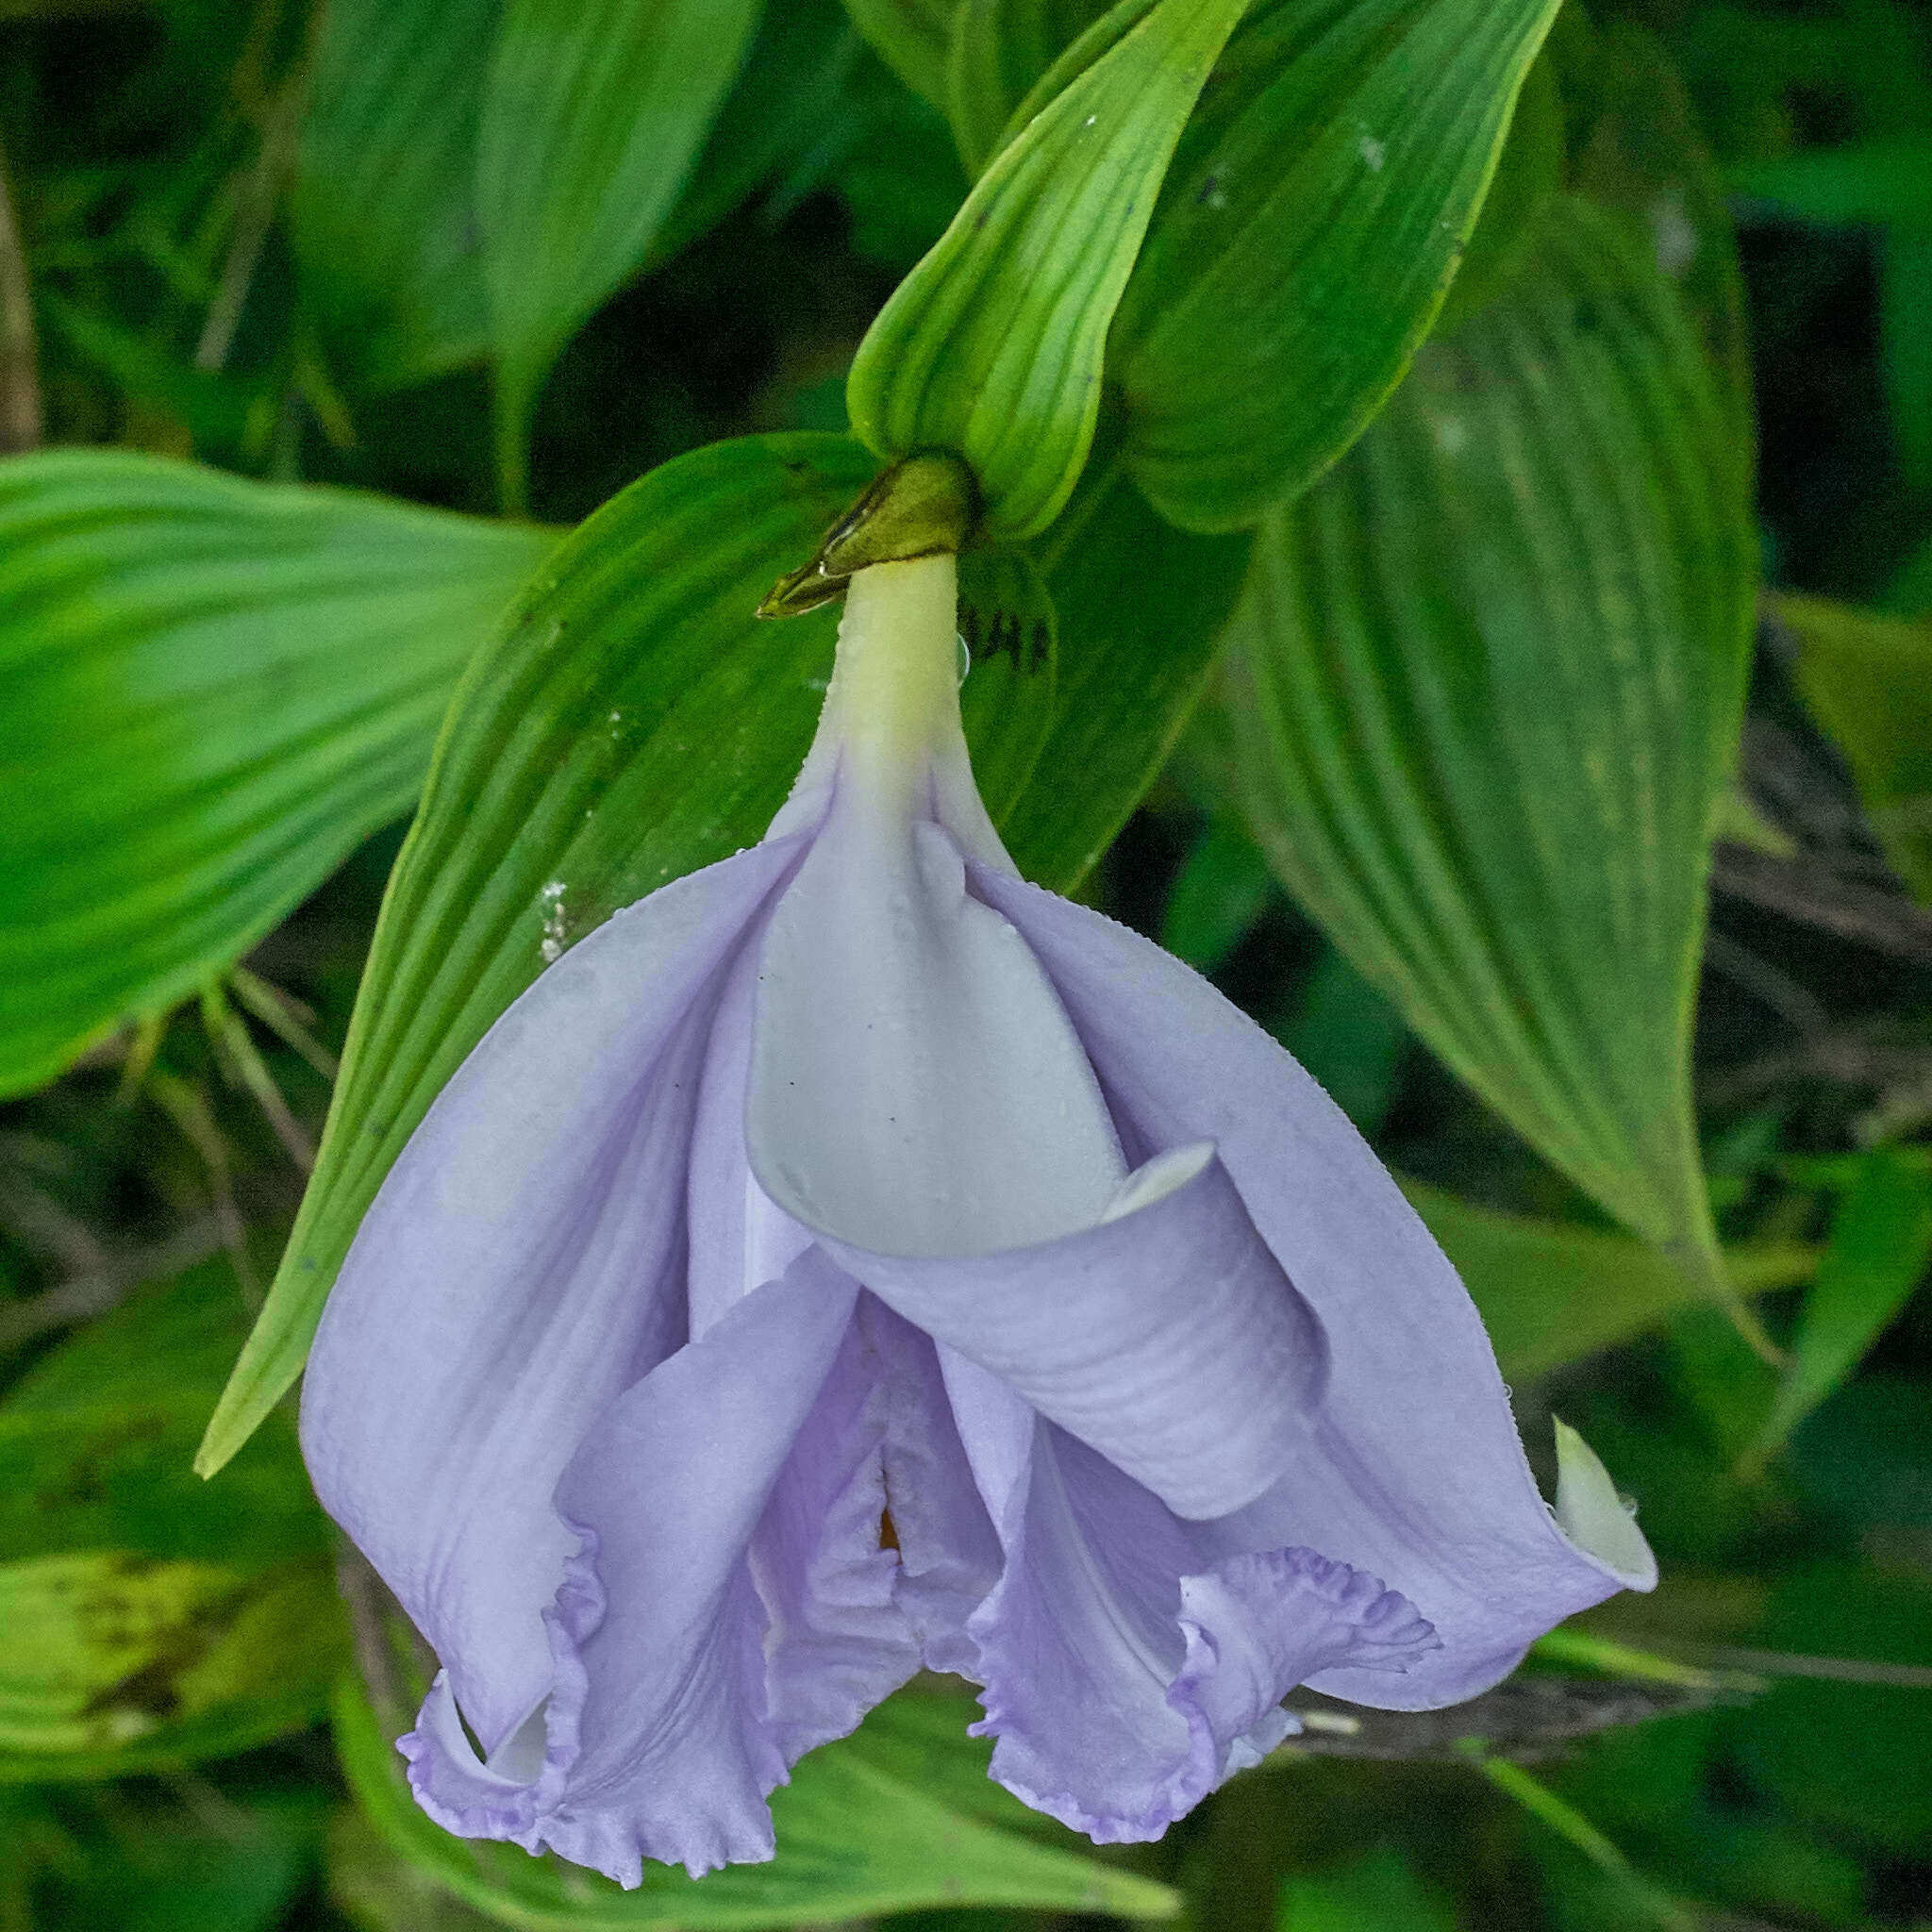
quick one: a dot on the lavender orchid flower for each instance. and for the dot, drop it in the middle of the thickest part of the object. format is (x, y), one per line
(850, 1259)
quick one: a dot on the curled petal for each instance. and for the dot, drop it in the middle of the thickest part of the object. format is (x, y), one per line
(1167, 1337)
(1126, 1673)
(1257, 1626)
(1415, 1473)
(657, 1739)
(840, 1640)
(522, 1265)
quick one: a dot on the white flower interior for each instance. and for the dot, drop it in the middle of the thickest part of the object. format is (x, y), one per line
(916, 1088)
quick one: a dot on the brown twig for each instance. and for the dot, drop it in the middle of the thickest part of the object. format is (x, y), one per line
(21, 423)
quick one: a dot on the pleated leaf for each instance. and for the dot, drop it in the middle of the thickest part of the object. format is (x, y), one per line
(382, 208)
(912, 37)
(1306, 237)
(857, 1836)
(1000, 49)
(215, 690)
(992, 345)
(593, 114)
(152, 1619)
(1551, 1293)
(1880, 1245)
(1484, 693)
(1141, 611)
(1867, 680)
(635, 721)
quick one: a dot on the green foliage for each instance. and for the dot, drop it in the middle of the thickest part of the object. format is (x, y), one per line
(914, 36)
(1552, 1294)
(915, 1847)
(1377, 1894)
(591, 119)
(215, 690)
(152, 1621)
(1881, 1242)
(1868, 679)
(382, 208)
(1000, 50)
(1309, 230)
(1484, 693)
(992, 346)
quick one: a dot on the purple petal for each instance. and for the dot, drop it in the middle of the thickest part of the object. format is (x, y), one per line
(738, 1240)
(915, 1087)
(1415, 1473)
(520, 1266)
(1167, 1337)
(840, 1640)
(1257, 1626)
(658, 1740)
(949, 1554)
(1127, 1674)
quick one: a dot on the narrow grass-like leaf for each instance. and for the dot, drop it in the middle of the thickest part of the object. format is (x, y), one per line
(1881, 1242)
(1306, 234)
(593, 114)
(215, 689)
(383, 206)
(150, 1620)
(1867, 680)
(856, 1836)
(992, 346)
(1551, 1293)
(914, 37)
(1221, 891)
(1484, 693)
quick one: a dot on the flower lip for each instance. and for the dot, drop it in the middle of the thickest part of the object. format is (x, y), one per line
(1165, 1335)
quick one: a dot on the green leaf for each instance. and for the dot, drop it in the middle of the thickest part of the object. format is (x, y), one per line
(1378, 1893)
(1141, 611)
(382, 208)
(216, 689)
(1306, 237)
(999, 51)
(854, 1839)
(1551, 1293)
(1346, 1034)
(117, 1664)
(198, 1858)
(1641, 159)
(1867, 680)
(95, 1442)
(152, 1619)
(1529, 169)
(1906, 309)
(1011, 634)
(1221, 891)
(1483, 693)
(794, 82)
(1881, 1242)
(593, 114)
(992, 346)
(1877, 181)
(912, 37)
(1856, 1758)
